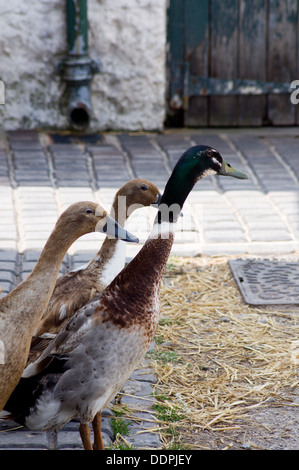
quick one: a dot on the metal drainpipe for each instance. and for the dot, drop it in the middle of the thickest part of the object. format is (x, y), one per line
(77, 69)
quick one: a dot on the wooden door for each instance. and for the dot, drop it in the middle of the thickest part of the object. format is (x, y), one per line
(232, 62)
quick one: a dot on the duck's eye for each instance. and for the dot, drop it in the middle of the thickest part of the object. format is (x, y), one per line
(88, 211)
(144, 187)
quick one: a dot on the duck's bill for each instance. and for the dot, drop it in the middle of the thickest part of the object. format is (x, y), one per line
(114, 230)
(228, 170)
(157, 203)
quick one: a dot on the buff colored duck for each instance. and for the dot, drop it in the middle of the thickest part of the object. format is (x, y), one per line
(22, 308)
(75, 289)
(93, 355)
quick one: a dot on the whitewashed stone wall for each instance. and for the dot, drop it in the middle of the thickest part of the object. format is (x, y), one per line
(128, 37)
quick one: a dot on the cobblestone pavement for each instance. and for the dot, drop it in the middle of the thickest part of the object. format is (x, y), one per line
(41, 174)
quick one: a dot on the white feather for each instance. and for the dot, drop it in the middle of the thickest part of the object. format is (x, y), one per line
(115, 264)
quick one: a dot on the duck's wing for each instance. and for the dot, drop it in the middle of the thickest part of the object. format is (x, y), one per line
(38, 345)
(72, 291)
(67, 339)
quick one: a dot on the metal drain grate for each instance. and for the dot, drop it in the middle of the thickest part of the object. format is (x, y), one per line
(267, 281)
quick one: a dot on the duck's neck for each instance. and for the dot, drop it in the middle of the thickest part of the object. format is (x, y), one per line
(179, 186)
(140, 281)
(141, 277)
(111, 257)
(108, 262)
(31, 297)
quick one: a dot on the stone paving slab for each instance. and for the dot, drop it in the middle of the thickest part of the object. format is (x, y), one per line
(14, 437)
(41, 174)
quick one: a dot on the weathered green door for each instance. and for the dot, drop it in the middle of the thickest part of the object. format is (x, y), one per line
(232, 62)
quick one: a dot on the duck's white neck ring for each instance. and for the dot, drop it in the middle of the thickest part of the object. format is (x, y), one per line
(162, 230)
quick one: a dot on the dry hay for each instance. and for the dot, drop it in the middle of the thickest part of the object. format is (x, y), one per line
(217, 358)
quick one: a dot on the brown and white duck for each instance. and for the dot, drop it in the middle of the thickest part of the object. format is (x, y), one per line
(22, 308)
(76, 288)
(91, 358)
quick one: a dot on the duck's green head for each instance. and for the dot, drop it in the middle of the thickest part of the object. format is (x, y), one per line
(201, 160)
(194, 164)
